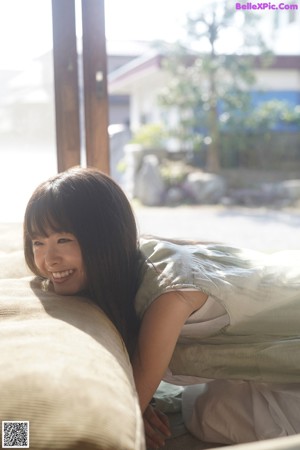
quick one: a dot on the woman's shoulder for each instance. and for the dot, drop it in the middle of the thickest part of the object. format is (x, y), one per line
(168, 256)
(168, 266)
(153, 245)
(157, 249)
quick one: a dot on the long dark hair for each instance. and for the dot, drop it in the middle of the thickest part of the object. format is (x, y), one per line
(90, 205)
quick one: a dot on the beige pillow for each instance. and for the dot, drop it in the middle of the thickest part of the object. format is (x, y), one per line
(12, 265)
(12, 261)
(64, 368)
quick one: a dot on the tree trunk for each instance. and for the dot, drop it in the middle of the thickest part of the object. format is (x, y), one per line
(213, 153)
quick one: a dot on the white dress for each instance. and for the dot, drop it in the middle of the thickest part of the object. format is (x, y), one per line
(244, 343)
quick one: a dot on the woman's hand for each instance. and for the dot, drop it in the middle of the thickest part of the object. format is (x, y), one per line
(159, 332)
(157, 427)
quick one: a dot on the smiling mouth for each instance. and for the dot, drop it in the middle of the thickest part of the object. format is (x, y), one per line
(60, 276)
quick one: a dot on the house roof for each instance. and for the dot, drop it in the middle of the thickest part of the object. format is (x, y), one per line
(139, 67)
(121, 79)
(126, 47)
(283, 62)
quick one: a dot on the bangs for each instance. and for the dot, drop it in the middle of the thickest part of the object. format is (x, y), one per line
(46, 214)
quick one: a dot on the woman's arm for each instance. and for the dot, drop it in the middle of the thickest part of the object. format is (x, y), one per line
(160, 328)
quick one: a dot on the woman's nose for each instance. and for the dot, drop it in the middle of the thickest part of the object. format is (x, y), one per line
(52, 256)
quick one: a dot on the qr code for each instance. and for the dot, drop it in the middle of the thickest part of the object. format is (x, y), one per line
(15, 434)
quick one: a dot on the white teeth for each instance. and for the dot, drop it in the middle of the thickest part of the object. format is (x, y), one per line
(63, 274)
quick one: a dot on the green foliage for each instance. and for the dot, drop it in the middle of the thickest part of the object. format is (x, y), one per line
(272, 112)
(174, 172)
(245, 137)
(261, 119)
(151, 135)
(203, 75)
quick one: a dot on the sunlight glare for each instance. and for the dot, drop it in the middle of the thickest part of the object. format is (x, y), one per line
(25, 31)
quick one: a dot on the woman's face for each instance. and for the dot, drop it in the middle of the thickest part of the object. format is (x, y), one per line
(58, 257)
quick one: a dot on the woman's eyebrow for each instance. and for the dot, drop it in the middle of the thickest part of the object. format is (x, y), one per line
(34, 234)
(37, 236)
(44, 235)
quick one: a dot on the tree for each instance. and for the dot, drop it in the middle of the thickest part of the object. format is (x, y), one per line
(208, 85)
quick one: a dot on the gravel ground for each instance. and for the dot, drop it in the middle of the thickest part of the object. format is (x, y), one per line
(259, 228)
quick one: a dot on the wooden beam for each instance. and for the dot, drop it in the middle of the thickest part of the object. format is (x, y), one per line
(66, 84)
(95, 84)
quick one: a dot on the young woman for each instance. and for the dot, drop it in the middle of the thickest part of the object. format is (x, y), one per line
(187, 313)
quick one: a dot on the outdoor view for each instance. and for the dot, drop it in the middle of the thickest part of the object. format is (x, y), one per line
(204, 113)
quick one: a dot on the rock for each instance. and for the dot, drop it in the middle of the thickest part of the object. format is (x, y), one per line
(248, 197)
(281, 194)
(133, 160)
(204, 187)
(290, 189)
(174, 196)
(149, 185)
(135, 155)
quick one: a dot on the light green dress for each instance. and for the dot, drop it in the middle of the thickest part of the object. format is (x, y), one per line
(259, 294)
(245, 340)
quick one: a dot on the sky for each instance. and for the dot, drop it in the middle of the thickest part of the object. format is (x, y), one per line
(25, 31)
(26, 26)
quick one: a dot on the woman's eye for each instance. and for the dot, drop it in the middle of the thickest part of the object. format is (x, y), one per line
(36, 243)
(63, 240)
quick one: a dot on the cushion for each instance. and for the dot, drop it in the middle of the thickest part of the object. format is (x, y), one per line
(12, 261)
(12, 265)
(64, 368)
